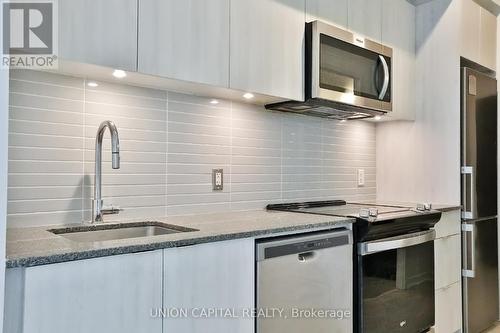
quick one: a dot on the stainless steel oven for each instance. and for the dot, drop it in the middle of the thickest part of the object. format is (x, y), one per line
(346, 76)
(396, 283)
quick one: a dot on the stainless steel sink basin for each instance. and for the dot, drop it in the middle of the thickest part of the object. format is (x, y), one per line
(106, 232)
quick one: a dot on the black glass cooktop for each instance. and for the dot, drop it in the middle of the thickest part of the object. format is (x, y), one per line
(346, 209)
(372, 221)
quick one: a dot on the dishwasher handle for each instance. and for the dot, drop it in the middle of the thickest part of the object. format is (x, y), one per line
(302, 246)
(303, 257)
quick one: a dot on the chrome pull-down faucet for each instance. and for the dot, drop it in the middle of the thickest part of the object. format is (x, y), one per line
(97, 204)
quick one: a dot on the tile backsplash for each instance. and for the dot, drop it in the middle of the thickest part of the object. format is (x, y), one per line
(170, 142)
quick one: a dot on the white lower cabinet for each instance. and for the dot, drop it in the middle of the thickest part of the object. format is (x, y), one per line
(112, 294)
(449, 309)
(448, 274)
(209, 277)
(448, 260)
(212, 284)
(449, 224)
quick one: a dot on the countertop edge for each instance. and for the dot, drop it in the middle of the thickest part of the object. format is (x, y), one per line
(450, 208)
(32, 261)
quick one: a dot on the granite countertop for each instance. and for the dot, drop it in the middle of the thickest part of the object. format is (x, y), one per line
(36, 246)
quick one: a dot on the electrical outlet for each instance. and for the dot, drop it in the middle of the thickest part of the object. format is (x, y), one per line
(361, 177)
(217, 179)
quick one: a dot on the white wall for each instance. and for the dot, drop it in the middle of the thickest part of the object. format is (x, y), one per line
(4, 116)
(420, 161)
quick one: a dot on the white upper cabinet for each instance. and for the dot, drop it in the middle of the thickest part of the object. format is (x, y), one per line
(186, 40)
(470, 23)
(365, 18)
(267, 47)
(99, 32)
(478, 34)
(398, 32)
(333, 12)
(488, 39)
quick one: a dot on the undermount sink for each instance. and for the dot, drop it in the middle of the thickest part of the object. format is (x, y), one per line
(106, 232)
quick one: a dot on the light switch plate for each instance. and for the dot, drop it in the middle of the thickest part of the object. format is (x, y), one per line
(217, 179)
(361, 177)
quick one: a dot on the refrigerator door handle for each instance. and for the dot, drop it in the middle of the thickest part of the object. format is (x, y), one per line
(468, 206)
(469, 255)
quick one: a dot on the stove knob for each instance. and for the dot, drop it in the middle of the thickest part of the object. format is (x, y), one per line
(424, 206)
(373, 212)
(364, 213)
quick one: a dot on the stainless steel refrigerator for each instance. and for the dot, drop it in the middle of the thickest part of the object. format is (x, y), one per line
(479, 200)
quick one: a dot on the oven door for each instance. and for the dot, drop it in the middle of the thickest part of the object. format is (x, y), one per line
(349, 69)
(396, 283)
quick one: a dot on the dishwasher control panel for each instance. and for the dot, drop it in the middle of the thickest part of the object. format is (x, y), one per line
(282, 246)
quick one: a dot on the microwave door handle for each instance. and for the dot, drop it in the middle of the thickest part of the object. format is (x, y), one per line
(385, 85)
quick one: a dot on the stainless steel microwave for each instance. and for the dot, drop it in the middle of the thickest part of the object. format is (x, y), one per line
(346, 76)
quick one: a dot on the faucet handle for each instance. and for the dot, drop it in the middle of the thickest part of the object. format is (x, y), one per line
(110, 210)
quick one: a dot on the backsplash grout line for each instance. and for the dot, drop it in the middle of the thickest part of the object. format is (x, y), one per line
(231, 155)
(167, 111)
(83, 146)
(54, 97)
(45, 83)
(281, 159)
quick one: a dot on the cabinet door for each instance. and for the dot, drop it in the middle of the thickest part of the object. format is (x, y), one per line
(185, 40)
(447, 260)
(267, 47)
(470, 30)
(208, 276)
(488, 39)
(99, 32)
(365, 18)
(329, 11)
(449, 309)
(102, 295)
(449, 224)
(398, 32)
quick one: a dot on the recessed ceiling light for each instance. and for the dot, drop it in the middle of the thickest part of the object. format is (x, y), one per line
(248, 95)
(119, 74)
(343, 121)
(93, 84)
(378, 117)
(214, 101)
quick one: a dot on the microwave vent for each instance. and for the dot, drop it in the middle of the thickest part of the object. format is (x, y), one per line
(329, 111)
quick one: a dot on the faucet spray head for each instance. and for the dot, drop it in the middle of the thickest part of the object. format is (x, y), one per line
(115, 160)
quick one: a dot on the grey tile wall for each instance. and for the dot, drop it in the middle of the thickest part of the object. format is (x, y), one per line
(170, 142)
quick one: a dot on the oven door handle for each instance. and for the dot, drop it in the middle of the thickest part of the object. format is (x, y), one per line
(397, 242)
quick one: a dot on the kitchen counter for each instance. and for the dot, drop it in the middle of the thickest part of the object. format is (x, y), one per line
(36, 246)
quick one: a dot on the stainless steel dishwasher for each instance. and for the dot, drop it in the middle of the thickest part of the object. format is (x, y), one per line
(305, 283)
